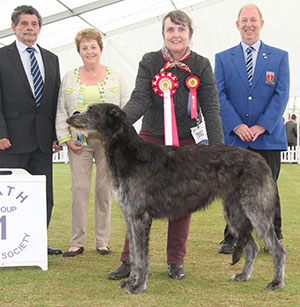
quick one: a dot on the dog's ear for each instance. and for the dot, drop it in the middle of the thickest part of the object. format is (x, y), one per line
(115, 116)
(114, 111)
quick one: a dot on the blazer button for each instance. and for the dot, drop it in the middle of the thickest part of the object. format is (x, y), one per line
(250, 98)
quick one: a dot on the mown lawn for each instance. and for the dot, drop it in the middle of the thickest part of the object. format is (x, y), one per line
(82, 280)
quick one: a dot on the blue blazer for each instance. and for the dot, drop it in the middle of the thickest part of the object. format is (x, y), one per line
(263, 103)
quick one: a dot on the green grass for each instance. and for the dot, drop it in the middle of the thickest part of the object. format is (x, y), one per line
(82, 280)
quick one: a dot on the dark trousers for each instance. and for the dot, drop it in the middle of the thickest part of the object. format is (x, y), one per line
(178, 229)
(36, 163)
(273, 159)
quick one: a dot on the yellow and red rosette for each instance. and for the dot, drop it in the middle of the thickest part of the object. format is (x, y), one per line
(165, 85)
(192, 82)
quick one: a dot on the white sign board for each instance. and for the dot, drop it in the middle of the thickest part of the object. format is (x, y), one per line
(23, 222)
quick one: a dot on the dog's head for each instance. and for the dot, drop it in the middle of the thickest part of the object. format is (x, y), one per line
(105, 118)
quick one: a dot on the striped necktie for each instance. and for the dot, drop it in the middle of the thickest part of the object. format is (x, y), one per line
(249, 64)
(38, 83)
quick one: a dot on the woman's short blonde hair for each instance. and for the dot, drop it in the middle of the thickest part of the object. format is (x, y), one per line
(88, 34)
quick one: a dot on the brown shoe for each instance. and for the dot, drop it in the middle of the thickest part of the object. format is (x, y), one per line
(75, 253)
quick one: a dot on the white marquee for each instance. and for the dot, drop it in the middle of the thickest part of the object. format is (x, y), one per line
(131, 28)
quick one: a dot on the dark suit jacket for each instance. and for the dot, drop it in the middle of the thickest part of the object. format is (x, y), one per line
(291, 132)
(26, 126)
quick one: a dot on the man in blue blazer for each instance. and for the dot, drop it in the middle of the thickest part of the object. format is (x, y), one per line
(27, 129)
(253, 90)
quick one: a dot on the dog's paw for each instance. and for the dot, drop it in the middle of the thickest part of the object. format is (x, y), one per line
(132, 289)
(274, 285)
(124, 284)
(135, 290)
(239, 277)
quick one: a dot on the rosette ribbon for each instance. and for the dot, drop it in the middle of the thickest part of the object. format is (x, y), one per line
(192, 82)
(165, 85)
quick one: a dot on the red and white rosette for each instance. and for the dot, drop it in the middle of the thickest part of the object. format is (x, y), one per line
(165, 85)
(192, 82)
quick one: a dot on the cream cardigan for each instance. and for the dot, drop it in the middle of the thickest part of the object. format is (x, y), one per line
(71, 94)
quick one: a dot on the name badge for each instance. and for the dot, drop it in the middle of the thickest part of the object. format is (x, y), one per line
(199, 132)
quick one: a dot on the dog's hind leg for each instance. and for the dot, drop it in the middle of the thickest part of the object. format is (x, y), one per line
(241, 228)
(138, 230)
(278, 253)
(244, 236)
(251, 251)
(261, 215)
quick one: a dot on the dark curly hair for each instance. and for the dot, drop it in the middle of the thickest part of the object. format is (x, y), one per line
(24, 9)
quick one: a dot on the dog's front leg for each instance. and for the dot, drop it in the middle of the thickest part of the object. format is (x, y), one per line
(138, 229)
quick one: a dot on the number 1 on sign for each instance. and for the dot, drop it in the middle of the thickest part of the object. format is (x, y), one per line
(3, 227)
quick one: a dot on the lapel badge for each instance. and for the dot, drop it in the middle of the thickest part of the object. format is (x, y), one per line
(270, 75)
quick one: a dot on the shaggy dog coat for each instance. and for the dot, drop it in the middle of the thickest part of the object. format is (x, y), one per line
(153, 181)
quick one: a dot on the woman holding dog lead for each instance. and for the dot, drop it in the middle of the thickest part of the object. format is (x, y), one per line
(90, 83)
(173, 87)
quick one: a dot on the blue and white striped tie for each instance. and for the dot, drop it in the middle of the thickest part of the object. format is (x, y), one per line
(38, 83)
(249, 64)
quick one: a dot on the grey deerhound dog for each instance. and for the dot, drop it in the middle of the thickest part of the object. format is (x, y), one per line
(152, 181)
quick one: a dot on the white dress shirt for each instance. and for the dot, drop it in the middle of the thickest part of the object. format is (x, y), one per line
(255, 49)
(25, 58)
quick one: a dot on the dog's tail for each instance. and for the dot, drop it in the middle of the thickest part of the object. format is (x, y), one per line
(242, 240)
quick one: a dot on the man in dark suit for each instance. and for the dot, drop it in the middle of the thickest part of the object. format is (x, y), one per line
(291, 131)
(253, 84)
(27, 113)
